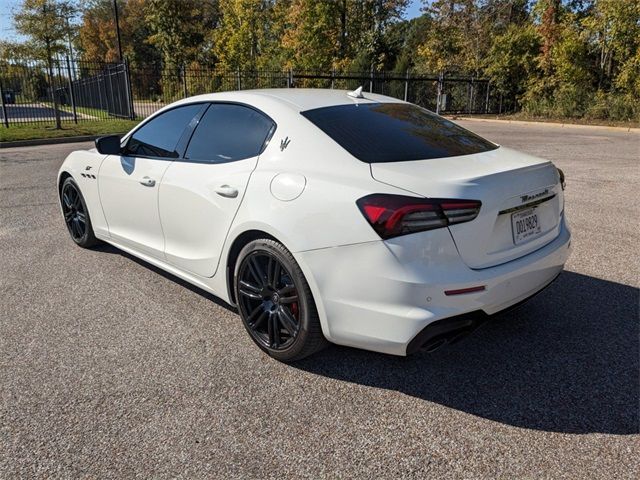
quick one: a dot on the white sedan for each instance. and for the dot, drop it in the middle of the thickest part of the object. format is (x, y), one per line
(325, 215)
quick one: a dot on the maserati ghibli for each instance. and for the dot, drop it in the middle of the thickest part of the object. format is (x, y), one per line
(325, 215)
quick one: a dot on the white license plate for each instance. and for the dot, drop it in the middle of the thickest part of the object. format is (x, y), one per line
(525, 225)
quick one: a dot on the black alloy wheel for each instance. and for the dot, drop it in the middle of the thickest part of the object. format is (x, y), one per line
(76, 216)
(269, 299)
(275, 302)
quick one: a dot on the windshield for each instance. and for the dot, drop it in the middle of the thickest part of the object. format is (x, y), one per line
(395, 132)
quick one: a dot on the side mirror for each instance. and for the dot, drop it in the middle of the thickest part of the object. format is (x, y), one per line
(109, 145)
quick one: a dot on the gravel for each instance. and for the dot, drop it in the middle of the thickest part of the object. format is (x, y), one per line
(110, 368)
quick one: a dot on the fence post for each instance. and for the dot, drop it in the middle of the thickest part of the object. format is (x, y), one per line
(333, 75)
(239, 79)
(486, 102)
(439, 95)
(71, 92)
(371, 81)
(4, 107)
(471, 97)
(54, 95)
(406, 85)
(290, 78)
(111, 104)
(183, 70)
(129, 92)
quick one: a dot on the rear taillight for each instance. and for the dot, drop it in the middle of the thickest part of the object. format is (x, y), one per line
(562, 180)
(393, 215)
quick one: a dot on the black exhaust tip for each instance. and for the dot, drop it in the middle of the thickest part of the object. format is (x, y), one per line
(446, 331)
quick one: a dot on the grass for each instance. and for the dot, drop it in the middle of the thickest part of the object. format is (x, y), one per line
(31, 131)
(94, 112)
(521, 116)
(98, 113)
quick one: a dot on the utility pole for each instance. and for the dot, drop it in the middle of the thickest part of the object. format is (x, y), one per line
(115, 13)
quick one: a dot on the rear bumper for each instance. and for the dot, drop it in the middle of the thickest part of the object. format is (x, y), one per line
(381, 295)
(449, 330)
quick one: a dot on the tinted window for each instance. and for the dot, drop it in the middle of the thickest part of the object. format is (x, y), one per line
(395, 132)
(159, 137)
(229, 132)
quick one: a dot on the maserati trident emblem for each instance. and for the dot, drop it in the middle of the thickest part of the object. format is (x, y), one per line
(284, 143)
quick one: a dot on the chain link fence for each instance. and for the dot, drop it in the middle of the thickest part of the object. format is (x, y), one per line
(64, 90)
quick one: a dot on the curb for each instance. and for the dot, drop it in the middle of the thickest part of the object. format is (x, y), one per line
(51, 141)
(551, 124)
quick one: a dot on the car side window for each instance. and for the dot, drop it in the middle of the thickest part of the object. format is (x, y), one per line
(229, 132)
(160, 136)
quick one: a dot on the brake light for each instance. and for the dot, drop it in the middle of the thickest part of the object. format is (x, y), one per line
(393, 215)
(562, 180)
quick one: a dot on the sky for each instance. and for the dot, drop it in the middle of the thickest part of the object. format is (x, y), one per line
(8, 6)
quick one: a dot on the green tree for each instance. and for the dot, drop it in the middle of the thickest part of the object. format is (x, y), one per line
(455, 41)
(244, 33)
(613, 28)
(46, 25)
(322, 35)
(313, 38)
(512, 60)
(97, 33)
(178, 28)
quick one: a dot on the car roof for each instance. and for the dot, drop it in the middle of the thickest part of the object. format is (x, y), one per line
(299, 99)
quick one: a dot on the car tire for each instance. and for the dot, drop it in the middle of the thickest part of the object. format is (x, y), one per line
(275, 302)
(76, 214)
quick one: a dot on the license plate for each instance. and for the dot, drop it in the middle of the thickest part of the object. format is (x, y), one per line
(525, 225)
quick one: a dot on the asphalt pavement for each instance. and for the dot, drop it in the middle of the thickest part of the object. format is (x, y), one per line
(17, 113)
(110, 368)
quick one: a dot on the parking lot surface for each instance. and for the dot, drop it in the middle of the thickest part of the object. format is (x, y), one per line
(111, 369)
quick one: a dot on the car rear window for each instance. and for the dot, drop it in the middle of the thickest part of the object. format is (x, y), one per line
(395, 132)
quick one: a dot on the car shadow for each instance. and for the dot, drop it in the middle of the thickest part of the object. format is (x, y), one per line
(567, 361)
(106, 248)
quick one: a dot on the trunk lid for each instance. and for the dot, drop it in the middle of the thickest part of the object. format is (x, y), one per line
(511, 186)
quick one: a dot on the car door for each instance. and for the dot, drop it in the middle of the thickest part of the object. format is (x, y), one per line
(128, 183)
(201, 193)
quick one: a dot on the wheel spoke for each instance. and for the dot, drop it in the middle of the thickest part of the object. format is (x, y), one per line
(260, 319)
(256, 270)
(273, 330)
(277, 270)
(79, 227)
(289, 299)
(287, 321)
(249, 294)
(250, 286)
(254, 314)
(286, 290)
(270, 264)
(67, 216)
(66, 200)
(82, 218)
(75, 229)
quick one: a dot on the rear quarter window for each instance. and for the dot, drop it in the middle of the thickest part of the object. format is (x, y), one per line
(395, 132)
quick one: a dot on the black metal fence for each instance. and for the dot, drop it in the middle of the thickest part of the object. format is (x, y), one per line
(105, 90)
(73, 91)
